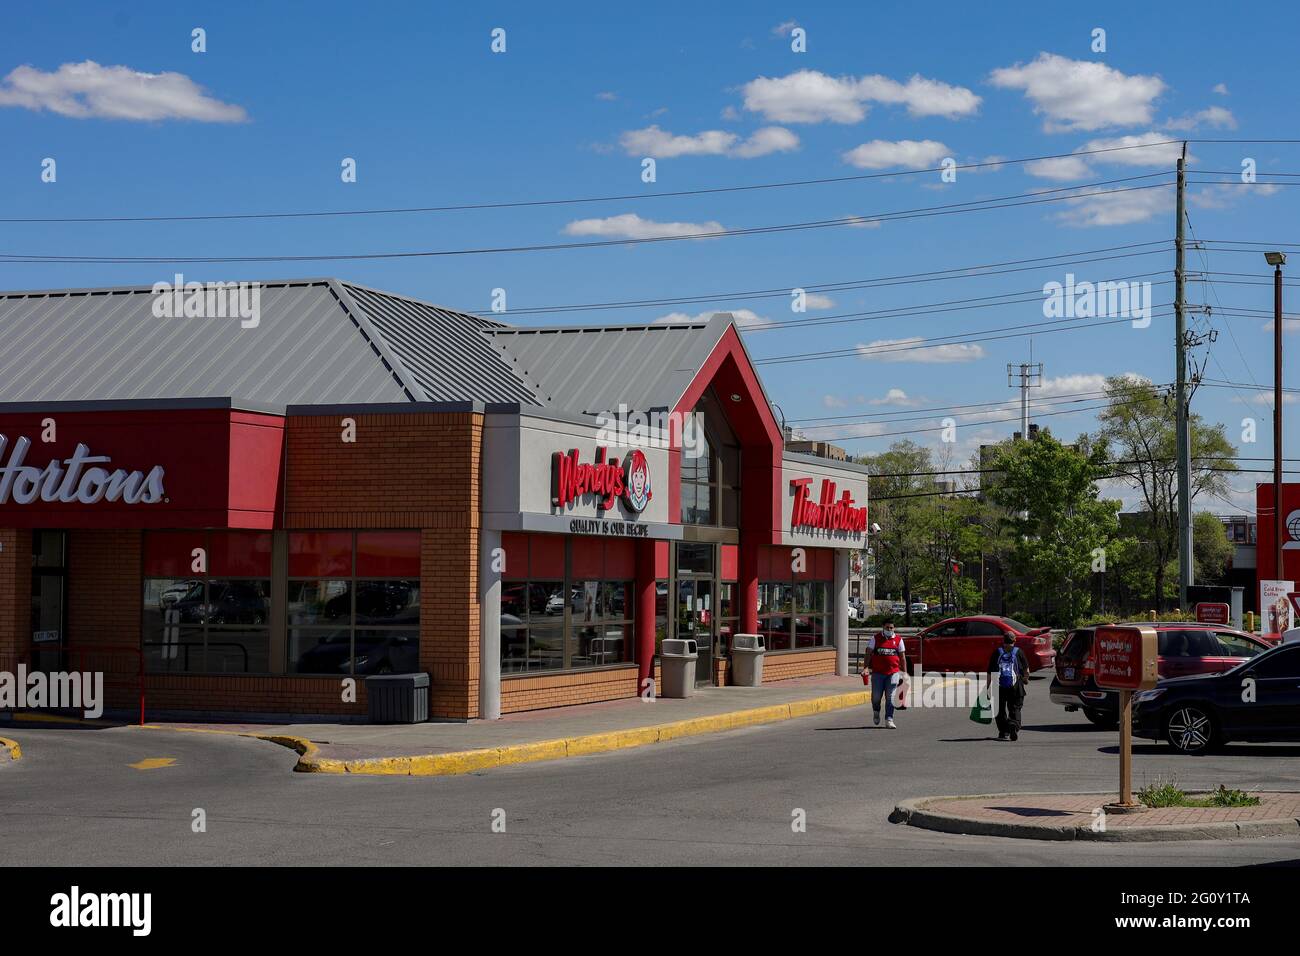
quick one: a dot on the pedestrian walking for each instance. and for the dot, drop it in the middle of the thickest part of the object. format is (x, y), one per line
(1008, 667)
(885, 660)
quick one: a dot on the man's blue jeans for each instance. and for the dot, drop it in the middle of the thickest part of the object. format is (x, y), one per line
(882, 685)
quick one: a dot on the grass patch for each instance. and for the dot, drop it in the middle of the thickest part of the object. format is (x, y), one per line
(1166, 793)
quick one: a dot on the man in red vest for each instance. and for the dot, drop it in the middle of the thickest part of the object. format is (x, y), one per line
(885, 660)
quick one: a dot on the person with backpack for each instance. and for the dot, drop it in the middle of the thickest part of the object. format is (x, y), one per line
(1009, 669)
(886, 661)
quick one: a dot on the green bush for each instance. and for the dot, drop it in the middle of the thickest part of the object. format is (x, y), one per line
(1166, 793)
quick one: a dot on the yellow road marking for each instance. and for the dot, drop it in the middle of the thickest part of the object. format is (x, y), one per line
(153, 763)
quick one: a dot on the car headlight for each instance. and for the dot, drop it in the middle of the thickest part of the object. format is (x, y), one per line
(1142, 696)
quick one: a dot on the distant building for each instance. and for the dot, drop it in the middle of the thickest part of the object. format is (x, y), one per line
(819, 449)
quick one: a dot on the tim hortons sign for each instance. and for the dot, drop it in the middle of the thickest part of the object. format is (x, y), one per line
(80, 478)
(826, 512)
(607, 478)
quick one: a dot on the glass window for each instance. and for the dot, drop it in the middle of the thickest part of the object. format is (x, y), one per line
(1234, 645)
(354, 602)
(1285, 663)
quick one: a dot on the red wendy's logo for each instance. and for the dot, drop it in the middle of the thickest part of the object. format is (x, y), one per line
(636, 481)
(606, 477)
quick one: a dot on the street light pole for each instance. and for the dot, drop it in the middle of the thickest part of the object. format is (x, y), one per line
(1277, 260)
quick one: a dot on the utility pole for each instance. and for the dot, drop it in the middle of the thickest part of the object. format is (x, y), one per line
(1180, 399)
(1277, 260)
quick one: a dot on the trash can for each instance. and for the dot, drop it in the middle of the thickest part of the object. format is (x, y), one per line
(677, 663)
(398, 698)
(747, 660)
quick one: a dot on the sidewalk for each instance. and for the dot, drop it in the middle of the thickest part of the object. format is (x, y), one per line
(435, 749)
(1080, 816)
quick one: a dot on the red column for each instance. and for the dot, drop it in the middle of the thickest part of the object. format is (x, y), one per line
(645, 613)
(748, 584)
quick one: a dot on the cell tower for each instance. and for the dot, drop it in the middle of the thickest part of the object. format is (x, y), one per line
(1025, 375)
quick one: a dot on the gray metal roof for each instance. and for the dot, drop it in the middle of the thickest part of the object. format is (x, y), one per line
(594, 369)
(318, 342)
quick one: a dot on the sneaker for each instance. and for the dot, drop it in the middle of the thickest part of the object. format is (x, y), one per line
(1003, 737)
(877, 719)
(1014, 735)
(890, 724)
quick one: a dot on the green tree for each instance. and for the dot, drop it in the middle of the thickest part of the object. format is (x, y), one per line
(1059, 525)
(901, 494)
(1210, 547)
(1138, 431)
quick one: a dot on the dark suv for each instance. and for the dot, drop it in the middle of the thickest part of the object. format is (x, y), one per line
(1185, 649)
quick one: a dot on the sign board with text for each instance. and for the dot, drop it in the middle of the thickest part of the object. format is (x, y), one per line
(1274, 607)
(1210, 612)
(1125, 657)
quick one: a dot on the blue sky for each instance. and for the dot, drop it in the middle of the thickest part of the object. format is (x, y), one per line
(261, 121)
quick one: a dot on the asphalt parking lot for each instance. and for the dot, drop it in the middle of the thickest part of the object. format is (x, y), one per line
(129, 796)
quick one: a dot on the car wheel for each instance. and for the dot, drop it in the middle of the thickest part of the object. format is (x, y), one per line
(1101, 718)
(1191, 729)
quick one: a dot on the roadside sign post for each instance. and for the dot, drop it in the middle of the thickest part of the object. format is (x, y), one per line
(1213, 612)
(1125, 661)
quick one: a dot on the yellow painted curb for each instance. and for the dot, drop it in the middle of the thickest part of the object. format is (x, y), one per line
(11, 747)
(469, 761)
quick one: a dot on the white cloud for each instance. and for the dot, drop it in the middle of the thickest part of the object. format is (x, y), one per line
(661, 144)
(815, 300)
(1115, 208)
(86, 90)
(1289, 324)
(607, 96)
(895, 396)
(914, 350)
(730, 113)
(1081, 94)
(1215, 117)
(861, 222)
(1069, 385)
(809, 96)
(1266, 398)
(834, 401)
(1059, 168)
(1137, 150)
(1224, 195)
(1221, 89)
(769, 139)
(783, 29)
(840, 431)
(908, 153)
(631, 226)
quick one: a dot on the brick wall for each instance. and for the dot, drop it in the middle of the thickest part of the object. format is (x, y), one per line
(15, 596)
(561, 690)
(798, 664)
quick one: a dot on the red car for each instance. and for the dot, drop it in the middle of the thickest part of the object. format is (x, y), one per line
(964, 644)
(1185, 650)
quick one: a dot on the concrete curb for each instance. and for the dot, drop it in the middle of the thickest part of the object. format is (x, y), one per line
(11, 748)
(916, 813)
(469, 761)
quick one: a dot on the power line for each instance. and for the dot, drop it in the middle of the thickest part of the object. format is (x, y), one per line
(908, 278)
(626, 197)
(920, 212)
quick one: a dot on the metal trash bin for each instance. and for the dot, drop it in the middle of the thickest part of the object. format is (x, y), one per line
(677, 663)
(747, 652)
(398, 698)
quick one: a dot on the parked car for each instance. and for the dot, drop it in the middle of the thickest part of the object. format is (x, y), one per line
(1184, 649)
(965, 643)
(919, 607)
(898, 607)
(1198, 714)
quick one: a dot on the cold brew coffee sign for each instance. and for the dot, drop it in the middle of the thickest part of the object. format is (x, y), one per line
(80, 478)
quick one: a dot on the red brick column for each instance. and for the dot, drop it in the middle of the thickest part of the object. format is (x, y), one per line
(15, 596)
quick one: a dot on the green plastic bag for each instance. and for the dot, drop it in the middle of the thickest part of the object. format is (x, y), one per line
(982, 712)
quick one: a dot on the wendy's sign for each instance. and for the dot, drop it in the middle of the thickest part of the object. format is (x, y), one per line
(827, 512)
(81, 477)
(606, 478)
(1125, 658)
